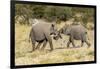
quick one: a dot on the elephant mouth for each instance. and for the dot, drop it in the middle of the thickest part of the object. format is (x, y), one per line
(52, 33)
(55, 38)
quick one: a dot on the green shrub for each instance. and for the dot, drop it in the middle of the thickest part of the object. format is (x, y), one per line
(53, 13)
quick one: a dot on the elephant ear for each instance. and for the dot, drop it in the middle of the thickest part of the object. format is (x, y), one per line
(61, 30)
(52, 29)
(59, 35)
(52, 25)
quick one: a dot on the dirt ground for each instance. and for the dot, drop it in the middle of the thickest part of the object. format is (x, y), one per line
(60, 54)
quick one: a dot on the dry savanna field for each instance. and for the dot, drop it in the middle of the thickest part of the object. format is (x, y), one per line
(60, 54)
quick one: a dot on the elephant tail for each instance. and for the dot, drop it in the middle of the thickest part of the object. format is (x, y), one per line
(29, 37)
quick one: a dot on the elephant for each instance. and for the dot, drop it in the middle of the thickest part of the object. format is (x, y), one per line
(41, 33)
(75, 32)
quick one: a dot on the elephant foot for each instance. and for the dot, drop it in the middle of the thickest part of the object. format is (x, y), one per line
(81, 46)
(68, 47)
(89, 45)
(51, 50)
(41, 49)
(31, 51)
(78, 46)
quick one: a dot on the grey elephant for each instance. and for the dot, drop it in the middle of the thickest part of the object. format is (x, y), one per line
(41, 33)
(75, 32)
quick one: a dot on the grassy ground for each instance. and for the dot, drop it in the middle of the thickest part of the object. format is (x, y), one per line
(60, 54)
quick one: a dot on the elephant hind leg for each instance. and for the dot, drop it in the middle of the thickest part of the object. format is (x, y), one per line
(33, 43)
(72, 41)
(32, 39)
(33, 47)
(68, 44)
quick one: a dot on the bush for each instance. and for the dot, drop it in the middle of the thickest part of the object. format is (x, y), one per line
(53, 13)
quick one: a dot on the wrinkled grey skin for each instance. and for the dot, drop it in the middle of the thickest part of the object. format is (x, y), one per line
(76, 32)
(41, 33)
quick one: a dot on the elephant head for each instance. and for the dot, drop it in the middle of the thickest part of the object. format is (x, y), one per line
(54, 32)
(64, 30)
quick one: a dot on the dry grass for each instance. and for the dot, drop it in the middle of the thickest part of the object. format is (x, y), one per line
(60, 54)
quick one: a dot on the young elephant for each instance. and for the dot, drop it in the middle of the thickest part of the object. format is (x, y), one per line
(41, 33)
(76, 32)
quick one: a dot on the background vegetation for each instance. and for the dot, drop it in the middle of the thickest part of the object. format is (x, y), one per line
(53, 13)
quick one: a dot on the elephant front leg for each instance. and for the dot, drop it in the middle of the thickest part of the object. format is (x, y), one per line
(49, 40)
(39, 44)
(51, 45)
(44, 44)
(88, 43)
